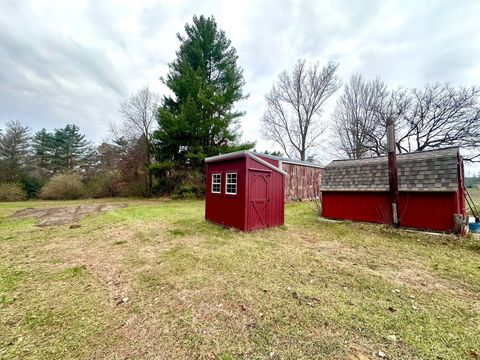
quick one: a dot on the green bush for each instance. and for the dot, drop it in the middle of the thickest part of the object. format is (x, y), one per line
(190, 184)
(167, 177)
(31, 185)
(179, 183)
(12, 192)
(63, 187)
(104, 184)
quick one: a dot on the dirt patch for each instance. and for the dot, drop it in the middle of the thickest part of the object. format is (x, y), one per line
(358, 352)
(63, 215)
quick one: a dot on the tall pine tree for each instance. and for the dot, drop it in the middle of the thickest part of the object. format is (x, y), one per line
(71, 147)
(63, 150)
(14, 151)
(44, 151)
(200, 119)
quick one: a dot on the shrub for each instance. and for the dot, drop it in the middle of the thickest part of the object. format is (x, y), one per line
(177, 182)
(63, 187)
(12, 192)
(134, 187)
(104, 184)
(167, 177)
(190, 185)
(31, 185)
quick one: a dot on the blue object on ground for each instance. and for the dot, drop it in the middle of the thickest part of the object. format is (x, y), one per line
(474, 227)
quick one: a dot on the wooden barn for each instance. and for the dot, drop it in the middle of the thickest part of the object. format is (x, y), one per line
(431, 190)
(303, 179)
(244, 191)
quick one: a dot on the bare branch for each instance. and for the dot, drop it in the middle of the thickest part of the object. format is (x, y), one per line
(294, 107)
(139, 114)
(435, 116)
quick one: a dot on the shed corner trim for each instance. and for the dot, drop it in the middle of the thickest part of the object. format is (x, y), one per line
(267, 164)
(244, 153)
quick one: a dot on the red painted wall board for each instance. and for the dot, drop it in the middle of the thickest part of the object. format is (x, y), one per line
(226, 209)
(259, 201)
(269, 160)
(275, 205)
(422, 210)
(356, 206)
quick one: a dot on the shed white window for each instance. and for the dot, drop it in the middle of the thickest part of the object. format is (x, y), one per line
(216, 183)
(231, 184)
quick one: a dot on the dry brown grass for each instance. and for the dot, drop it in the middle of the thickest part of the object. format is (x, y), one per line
(155, 281)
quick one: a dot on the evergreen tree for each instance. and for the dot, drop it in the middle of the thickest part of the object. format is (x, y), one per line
(14, 151)
(63, 150)
(44, 150)
(71, 147)
(200, 119)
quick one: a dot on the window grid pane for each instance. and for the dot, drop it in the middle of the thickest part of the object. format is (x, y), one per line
(231, 184)
(216, 183)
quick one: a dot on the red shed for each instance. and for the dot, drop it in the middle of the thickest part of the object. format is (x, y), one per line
(431, 187)
(244, 191)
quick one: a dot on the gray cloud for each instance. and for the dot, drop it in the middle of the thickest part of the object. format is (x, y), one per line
(74, 62)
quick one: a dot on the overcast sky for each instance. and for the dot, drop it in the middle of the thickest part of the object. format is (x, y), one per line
(74, 62)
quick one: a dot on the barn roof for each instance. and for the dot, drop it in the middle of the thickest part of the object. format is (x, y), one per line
(244, 153)
(432, 170)
(282, 159)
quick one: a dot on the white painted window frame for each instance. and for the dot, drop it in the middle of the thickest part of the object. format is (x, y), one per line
(230, 183)
(216, 183)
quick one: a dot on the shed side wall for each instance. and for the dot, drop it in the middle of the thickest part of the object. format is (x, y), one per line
(356, 206)
(302, 182)
(428, 210)
(226, 209)
(275, 211)
(422, 210)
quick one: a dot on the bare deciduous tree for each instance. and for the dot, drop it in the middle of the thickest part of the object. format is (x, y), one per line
(139, 117)
(356, 117)
(295, 104)
(441, 115)
(393, 105)
(435, 116)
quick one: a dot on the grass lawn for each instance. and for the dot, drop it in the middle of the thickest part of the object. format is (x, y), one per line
(155, 280)
(475, 193)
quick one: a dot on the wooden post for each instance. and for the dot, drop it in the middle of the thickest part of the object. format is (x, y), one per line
(392, 171)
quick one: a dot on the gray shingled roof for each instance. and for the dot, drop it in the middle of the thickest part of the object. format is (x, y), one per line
(433, 170)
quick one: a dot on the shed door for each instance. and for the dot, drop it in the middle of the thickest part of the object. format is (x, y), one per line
(259, 200)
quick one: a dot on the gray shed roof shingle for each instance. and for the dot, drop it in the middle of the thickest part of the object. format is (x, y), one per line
(432, 170)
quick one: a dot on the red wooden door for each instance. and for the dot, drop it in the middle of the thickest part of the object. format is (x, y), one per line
(258, 199)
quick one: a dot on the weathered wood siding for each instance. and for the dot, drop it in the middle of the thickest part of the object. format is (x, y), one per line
(302, 182)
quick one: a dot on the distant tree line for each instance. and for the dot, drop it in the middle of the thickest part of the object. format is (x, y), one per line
(434, 116)
(473, 181)
(30, 159)
(159, 146)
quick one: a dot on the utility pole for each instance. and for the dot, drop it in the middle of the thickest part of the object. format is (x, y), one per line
(392, 171)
